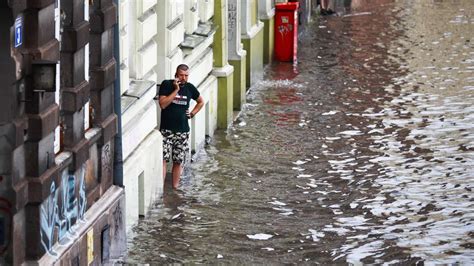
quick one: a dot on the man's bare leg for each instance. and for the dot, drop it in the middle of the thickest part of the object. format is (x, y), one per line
(324, 4)
(164, 171)
(176, 172)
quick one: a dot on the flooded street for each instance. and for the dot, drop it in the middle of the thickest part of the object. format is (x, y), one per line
(361, 153)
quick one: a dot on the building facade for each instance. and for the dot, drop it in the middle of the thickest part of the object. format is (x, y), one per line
(80, 149)
(61, 200)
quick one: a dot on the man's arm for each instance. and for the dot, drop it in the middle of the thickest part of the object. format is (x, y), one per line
(165, 100)
(197, 107)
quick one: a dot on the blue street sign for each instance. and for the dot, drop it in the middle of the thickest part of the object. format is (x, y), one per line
(18, 32)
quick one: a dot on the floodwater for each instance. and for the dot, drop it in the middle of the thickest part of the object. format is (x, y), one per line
(361, 153)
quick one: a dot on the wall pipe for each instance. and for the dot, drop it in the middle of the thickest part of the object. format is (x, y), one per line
(118, 157)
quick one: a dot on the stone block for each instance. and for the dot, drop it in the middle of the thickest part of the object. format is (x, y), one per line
(91, 175)
(106, 166)
(39, 188)
(39, 26)
(73, 12)
(109, 129)
(206, 10)
(18, 165)
(9, 94)
(75, 37)
(98, 4)
(72, 257)
(98, 229)
(82, 251)
(48, 51)
(103, 105)
(145, 162)
(11, 137)
(93, 196)
(146, 28)
(19, 6)
(80, 154)
(72, 68)
(21, 125)
(104, 18)
(73, 99)
(102, 76)
(46, 24)
(37, 102)
(146, 59)
(18, 238)
(192, 16)
(39, 155)
(33, 232)
(102, 48)
(73, 128)
(143, 6)
(20, 195)
(32, 4)
(41, 125)
(142, 123)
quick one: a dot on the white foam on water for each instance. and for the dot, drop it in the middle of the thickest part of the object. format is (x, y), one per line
(298, 169)
(352, 221)
(350, 133)
(330, 113)
(260, 236)
(280, 83)
(299, 162)
(338, 230)
(355, 255)
(341, 161)
(303, 176)
(278, 203)
(315, 235)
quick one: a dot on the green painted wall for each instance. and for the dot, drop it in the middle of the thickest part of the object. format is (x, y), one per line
(225, 96)
(225, 99)
(220, 38)
(239, 86)
(268, 40)
(254, 64)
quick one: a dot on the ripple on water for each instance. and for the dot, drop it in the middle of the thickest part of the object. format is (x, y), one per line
(361, 153)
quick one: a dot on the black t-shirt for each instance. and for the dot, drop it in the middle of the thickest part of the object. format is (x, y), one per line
(174, 116)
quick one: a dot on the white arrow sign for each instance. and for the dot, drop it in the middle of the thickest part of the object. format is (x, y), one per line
(18, 32)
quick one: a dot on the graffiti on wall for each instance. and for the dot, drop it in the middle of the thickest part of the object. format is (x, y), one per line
(232, 20)
(92, 168)
(65, 205)
(49, 213)
(68, 209)
(82, 197)
(106, 158)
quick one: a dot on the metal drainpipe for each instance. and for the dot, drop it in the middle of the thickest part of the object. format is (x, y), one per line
(118, 158)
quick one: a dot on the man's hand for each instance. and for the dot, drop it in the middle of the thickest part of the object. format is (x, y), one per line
(189, 114)
(176, 83)
(165, 100)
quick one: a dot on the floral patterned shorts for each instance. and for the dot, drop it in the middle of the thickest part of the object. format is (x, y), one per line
(175, 145)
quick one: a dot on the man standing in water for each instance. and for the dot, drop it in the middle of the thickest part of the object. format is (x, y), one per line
(325, 9)
(174, 97)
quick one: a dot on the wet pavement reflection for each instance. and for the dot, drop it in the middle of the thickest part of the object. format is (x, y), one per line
(361, 153)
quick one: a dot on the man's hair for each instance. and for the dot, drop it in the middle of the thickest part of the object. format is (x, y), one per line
(182, 67)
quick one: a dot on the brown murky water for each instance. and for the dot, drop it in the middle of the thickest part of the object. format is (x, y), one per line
(362, 153)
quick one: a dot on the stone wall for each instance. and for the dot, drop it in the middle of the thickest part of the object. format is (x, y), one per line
(59, 201)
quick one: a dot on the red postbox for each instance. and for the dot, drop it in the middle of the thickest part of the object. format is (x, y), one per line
(286, 31)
